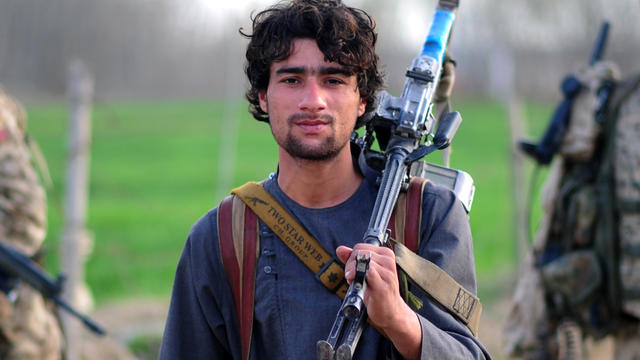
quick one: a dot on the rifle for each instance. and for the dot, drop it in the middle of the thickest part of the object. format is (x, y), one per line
(548, 145)
(404, 129)
(15, 264)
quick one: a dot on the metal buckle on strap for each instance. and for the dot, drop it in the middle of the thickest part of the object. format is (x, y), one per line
(335, 278)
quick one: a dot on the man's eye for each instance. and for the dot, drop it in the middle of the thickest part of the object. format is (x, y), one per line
(335, 81)
(290, 80)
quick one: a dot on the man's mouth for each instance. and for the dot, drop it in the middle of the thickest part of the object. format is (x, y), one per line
(312, 125)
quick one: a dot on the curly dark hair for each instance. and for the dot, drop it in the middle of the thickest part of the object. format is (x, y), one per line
(344, 35)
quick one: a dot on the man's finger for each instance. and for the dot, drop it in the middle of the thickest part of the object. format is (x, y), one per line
(343, 253)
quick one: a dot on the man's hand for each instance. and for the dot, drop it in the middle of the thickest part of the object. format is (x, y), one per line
(385, 307)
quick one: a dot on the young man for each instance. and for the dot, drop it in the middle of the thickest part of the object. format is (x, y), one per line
(313, 73)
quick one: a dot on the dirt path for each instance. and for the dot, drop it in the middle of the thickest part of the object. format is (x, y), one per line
(491, 323)
(137, 320)
(141, 321)
(134, 330)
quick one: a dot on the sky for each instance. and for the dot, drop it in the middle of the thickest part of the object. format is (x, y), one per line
(218, 16)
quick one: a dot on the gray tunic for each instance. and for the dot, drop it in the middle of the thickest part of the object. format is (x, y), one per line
(293, 310)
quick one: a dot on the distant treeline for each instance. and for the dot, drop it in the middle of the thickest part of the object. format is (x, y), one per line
(170, 48)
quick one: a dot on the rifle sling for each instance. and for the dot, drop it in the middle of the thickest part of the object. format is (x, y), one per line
(423, 273)
(325, 267)
(441, 286)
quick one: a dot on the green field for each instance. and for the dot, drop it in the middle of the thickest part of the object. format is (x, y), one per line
(154, 173)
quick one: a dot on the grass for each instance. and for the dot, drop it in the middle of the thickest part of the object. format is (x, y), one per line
(145, 347)
(154, 171)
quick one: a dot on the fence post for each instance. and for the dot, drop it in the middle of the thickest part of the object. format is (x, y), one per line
(76, 240)
(229, 125)
(518, 178)
(502, 72)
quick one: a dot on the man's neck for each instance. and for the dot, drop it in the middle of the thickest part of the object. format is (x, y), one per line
(318, 184)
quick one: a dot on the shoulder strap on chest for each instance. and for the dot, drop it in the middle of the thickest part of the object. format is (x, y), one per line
(239, 245)
(238, 238)
(425, 274)
(326, 268)
(441, 286)
(407, 215)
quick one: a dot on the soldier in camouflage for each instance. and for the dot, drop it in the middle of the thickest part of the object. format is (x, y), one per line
(599, 294)
(627, 187)
(29, 327)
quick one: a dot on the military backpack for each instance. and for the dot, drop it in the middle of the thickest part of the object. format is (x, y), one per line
(584, 267)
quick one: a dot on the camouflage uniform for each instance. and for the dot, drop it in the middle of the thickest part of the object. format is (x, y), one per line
(627, 175)
(530, 331)
(29, 328)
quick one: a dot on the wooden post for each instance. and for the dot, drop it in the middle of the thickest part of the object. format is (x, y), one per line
(502, 86)
(76, 240)
(519, 188)
(229, 126)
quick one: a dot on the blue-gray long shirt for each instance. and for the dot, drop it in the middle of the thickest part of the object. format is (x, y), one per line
(293, 310)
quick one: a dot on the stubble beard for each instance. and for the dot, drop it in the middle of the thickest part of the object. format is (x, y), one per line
(326, 150)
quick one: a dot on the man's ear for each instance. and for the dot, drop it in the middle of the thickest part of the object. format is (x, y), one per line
(362, 106)
(264, 105)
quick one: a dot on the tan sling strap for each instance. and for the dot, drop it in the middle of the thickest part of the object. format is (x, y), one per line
(425, 274)
(295, 236)
(441, 286)
(238, 239)
(239, 244)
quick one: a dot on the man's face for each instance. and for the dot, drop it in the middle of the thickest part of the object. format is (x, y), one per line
(312, 104)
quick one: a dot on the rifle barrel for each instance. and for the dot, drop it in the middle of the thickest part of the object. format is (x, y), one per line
(18, 265)
(601, 43)
(409, 118)
(85, 319)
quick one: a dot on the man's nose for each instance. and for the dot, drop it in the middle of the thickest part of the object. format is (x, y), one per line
(313, 98)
